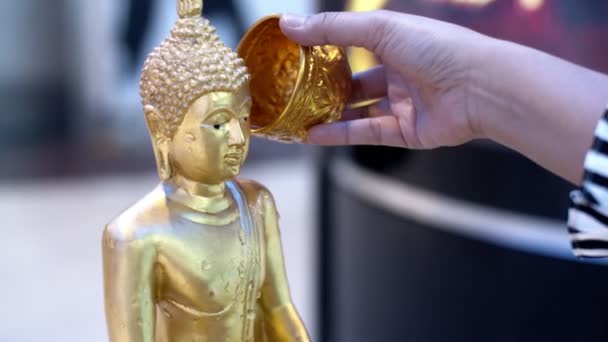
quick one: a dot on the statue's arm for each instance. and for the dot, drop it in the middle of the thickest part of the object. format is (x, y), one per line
(128, 270)
(282, 320)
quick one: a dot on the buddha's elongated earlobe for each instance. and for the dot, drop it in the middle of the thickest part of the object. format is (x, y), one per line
(163, 161)
(160, 142)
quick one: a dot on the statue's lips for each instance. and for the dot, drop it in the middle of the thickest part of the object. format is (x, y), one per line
(233, 158)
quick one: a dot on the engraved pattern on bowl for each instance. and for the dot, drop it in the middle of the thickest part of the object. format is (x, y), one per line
(293, 87)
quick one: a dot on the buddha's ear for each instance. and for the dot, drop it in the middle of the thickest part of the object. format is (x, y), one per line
(157, 128)
(155, 122)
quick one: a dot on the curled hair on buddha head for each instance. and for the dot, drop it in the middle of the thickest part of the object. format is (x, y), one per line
(190, 63)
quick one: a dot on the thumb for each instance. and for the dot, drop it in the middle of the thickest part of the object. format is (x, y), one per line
(370, 30)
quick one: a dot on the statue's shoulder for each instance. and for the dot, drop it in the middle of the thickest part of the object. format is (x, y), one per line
(256, 192)
(135, 222)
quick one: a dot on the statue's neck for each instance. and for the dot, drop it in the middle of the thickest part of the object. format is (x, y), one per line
(207, 198)
(198, 189)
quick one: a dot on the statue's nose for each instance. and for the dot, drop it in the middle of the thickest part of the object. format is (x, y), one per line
(236, 134)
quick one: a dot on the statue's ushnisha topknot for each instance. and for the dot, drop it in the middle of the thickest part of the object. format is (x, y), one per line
(189, 8)
(190, 63)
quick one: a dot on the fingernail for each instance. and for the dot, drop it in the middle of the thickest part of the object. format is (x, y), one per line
(293, 21)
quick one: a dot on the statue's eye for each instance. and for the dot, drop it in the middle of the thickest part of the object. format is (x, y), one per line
(216, 124)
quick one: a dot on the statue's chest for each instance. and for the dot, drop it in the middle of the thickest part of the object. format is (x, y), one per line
(209, 270)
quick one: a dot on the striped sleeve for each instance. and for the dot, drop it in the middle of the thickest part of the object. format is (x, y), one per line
(588, 213)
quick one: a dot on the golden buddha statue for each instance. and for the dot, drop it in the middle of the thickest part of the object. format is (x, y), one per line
(199, 258)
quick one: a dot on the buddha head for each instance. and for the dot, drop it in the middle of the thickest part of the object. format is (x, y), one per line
(195, 93)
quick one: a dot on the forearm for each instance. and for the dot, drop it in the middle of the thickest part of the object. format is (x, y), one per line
(282, 319)
(539, 105)
(283, 323)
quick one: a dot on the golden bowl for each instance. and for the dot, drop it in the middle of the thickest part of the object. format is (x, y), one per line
(293, 87)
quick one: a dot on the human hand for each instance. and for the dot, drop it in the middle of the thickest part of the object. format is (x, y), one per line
(443, 85)
(424, 80)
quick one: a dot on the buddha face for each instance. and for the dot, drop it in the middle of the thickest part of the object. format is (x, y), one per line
(212, 142)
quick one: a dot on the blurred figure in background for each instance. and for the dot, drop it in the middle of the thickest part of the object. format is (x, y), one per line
(33, 87)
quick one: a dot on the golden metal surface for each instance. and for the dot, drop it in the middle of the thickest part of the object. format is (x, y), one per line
(293, 87)
(199, 258)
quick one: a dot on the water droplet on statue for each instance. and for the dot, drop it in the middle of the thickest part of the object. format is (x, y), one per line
(242, 236)
(241, 269)
(167, 313)
(206, 265)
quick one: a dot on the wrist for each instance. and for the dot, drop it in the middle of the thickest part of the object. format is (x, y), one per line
(487, 107)
(524, 98)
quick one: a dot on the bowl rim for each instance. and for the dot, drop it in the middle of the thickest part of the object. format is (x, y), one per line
(301, 68)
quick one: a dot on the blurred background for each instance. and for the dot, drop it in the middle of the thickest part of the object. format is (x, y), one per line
(381, 244)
